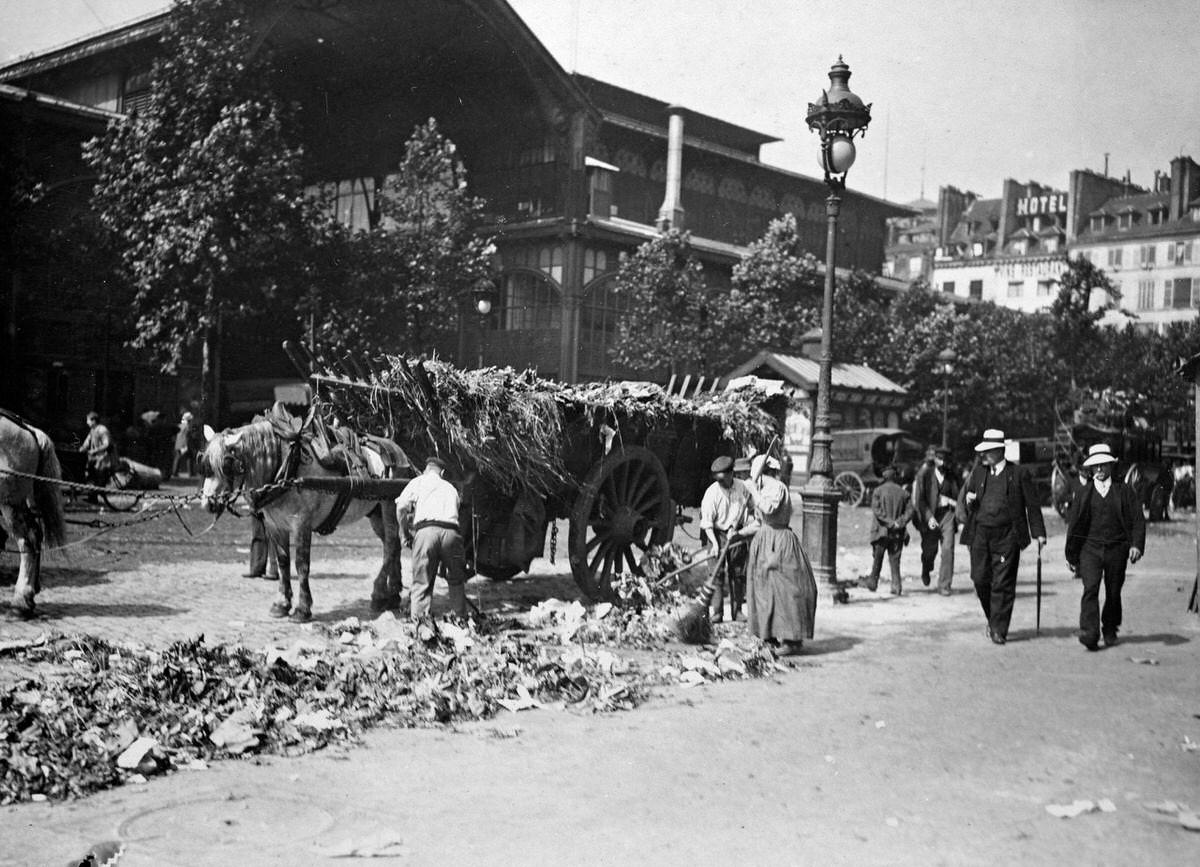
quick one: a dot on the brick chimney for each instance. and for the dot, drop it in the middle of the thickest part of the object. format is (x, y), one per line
(1185, 185)
(670, 214)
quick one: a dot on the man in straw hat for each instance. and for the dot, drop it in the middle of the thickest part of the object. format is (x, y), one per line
(1105, 530)
(724, 510)
(999, 511)
(427, 510)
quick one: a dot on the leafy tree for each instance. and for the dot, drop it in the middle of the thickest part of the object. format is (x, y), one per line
(397, 286)
(203, 192)
(776, 293)
(668, 324)
(1077, 318)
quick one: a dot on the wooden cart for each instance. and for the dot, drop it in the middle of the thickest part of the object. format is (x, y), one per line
(627, 470)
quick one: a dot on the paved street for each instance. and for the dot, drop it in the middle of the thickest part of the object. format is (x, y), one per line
(901, 736)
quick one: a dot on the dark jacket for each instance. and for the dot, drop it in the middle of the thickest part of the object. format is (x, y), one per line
(1022, 501)
(892, 509)
(925, 493)
(1129, 512)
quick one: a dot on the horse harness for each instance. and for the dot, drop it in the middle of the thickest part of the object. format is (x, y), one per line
(25, 426)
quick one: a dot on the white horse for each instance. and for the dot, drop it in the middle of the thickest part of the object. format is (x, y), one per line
(250, 458)
(30, 510)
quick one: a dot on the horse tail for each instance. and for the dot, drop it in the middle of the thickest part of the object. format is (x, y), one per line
(47, 496)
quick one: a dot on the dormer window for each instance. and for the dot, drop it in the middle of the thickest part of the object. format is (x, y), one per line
(1097, 223)
(1125, 220)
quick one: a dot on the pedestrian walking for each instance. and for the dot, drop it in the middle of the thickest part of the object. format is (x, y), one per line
(186, 447)
(998, 508)
(427, 509)
(725, 509)
(101, 451)
(1105, 531)
(891, 510)
(934, 499)
(264, 562)
(781, 593)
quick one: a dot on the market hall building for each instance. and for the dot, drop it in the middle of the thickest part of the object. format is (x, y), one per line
(574, 172)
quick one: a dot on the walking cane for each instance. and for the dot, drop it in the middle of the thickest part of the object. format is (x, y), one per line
(1037, 629)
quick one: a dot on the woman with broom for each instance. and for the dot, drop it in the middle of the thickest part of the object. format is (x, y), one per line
(781, 592)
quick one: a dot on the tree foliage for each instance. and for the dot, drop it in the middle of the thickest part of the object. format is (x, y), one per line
(1077, 316)
(203, 191)
(398, 286)
(668, 324)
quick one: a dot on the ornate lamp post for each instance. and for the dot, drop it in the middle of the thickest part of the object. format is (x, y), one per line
(838, 116)
(484, 294)
(946, 359)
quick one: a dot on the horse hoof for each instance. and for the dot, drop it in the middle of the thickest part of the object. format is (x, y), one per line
(280, 610)
(300, 616)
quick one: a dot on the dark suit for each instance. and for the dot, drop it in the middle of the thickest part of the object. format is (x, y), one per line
(927, 497)
(996, 545)
(1104, 559)
(891, 509)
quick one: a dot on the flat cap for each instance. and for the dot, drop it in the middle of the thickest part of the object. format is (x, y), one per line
(723, 464)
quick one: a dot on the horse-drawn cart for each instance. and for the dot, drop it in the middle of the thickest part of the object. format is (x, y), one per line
(859, 456)
(614, 460)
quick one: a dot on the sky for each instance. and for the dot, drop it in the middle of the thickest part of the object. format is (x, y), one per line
(964, 93)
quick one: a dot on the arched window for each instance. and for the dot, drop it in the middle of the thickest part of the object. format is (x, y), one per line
(529, 301)
(599, 315)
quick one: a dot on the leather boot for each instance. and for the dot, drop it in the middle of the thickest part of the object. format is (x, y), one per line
(458, 599)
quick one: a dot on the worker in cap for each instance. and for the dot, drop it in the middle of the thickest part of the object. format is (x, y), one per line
(427, 510)
(1105, 531)
(891, 509)
(724, 510)
(934, 499)
(1001, 513)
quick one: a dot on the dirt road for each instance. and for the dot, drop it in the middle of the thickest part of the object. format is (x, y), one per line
(902, 736)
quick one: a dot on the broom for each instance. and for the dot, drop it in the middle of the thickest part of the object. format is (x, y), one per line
(692, 625)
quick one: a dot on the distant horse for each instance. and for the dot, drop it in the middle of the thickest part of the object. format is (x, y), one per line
(30, 510)
(250, 457)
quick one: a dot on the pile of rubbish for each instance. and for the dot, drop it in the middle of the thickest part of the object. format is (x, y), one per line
(92, 714)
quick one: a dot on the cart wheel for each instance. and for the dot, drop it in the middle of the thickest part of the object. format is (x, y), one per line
(850, 485)
(624, 506)
(116, 497)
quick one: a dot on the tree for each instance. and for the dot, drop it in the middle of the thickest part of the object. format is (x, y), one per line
(776, 293)
(397, 287)
(668, 324)
(1077, 317)
(203, 192)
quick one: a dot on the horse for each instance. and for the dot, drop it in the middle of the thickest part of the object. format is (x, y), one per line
(30, 509)
(250, 458)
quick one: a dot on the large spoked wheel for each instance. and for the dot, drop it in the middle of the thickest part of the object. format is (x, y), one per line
(624, 506)
(851, 487)
(117, 495)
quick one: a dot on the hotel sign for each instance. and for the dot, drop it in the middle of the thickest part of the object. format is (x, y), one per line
(1031, 206)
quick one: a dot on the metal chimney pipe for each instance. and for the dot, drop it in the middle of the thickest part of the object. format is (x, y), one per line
(670, 214)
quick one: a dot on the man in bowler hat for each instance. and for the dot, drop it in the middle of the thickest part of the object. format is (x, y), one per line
(999, 511)
(934, 499)
(1105, 531)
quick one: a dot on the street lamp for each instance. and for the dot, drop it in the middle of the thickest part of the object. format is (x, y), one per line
(946, 359)
(483, 293)
(838, 116)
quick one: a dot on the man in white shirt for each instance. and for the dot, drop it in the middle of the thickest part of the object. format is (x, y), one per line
(725, 509)
(427, 510)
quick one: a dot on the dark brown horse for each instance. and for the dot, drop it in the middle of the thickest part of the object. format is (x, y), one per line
(30, 509)
(250, 457)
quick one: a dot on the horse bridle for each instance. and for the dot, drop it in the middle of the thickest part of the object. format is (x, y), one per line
(233, 466)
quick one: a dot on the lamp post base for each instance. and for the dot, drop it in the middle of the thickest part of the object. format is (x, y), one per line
(820, 505)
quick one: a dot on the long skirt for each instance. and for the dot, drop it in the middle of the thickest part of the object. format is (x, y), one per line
(781, 593)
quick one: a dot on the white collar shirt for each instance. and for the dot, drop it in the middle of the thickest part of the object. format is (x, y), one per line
(725, 508)
(431, 498)
(1103, 487)
(999, 467)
